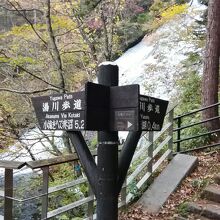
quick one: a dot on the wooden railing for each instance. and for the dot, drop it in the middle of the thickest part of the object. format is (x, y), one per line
(152, 150)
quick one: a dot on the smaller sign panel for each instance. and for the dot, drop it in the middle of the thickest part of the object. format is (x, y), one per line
(124, 102)
(125, 120)
(124, 96)
(61, 111)
(151, 112)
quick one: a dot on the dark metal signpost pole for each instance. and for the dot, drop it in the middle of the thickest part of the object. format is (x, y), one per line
(107, 197)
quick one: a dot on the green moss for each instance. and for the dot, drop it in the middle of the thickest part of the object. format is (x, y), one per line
(183, 210)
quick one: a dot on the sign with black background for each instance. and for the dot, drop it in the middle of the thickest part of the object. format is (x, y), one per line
(61, 111)
(152, 112)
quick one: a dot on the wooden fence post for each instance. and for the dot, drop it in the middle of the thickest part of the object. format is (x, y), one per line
(45, 192)
(8, 206)
(90, 204)
(150, 151)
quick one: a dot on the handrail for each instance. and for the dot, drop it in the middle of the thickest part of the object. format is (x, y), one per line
(201, 148)
(196, 136)
(197, 123)
(52, 161)
(7, 164)
(195, 111)
(179, 128)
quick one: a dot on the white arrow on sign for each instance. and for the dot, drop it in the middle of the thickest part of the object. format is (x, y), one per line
(129, 124)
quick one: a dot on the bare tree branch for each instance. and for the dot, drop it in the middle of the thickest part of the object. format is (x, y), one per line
(83, 34)
(75, 51)
(28, 21)
(30, 73)
(67, 32)
(52, 143)
(21, 10)
(37, 77)
(28, 92)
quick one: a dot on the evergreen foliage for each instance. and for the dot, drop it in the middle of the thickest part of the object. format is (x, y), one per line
(189, 100)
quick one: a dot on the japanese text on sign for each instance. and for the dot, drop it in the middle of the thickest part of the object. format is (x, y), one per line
(57, 106)
(152, 112)
(60, 112)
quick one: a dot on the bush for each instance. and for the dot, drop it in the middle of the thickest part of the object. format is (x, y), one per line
(162, 15)
(128, 33)
(170, 12)
(183, 209)
(143, 18)
(157, 6)
(190, 99)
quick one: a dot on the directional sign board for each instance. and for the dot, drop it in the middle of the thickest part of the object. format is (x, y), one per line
(101, 108)
(60, 112)
(87, 110)
(151, 113)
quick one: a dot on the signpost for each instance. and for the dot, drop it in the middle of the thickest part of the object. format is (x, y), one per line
(106, 108)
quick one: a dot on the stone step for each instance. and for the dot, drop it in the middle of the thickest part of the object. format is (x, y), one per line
(199, 217)
(212, 192)
(180, 218)
(192, 217)
(167, 182)
(217, 178)
(205, 208)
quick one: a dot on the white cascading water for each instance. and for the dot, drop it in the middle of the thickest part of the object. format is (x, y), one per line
(156, 60)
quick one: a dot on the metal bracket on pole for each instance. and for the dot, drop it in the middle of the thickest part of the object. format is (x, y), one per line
(126, 156)
(86, 158)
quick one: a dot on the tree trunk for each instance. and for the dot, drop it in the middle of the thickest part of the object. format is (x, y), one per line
(211, 65)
